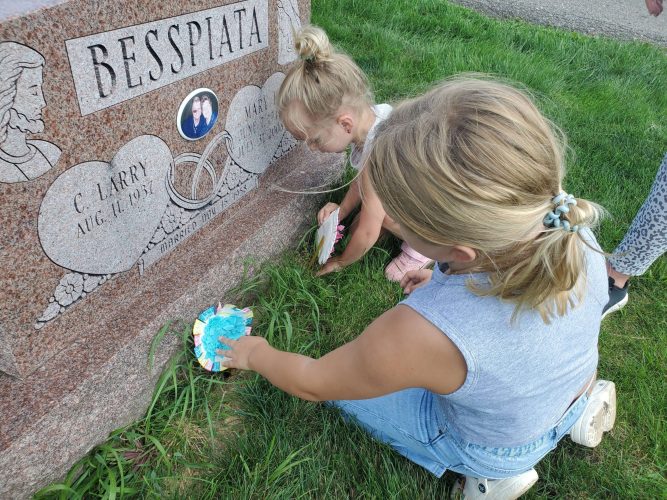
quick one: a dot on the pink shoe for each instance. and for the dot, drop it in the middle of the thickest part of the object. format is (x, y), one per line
(409, 259)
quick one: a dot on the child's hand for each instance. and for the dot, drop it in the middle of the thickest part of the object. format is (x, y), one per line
(333, 264)
(238, 355)
(414, 279)
(654, 7)
(325, 211)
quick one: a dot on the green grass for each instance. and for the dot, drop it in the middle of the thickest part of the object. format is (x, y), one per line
(222, 436)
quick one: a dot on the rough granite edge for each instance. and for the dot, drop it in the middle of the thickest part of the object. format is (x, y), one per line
(26, 466)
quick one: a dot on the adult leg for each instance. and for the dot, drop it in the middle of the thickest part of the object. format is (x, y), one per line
(646, 240)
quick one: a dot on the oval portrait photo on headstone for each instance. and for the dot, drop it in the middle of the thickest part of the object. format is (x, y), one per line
(197, 114)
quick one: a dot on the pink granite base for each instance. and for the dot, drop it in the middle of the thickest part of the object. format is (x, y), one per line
(102, 381)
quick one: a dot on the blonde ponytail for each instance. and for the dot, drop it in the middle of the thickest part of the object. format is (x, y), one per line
(473, 162)
(546, 273)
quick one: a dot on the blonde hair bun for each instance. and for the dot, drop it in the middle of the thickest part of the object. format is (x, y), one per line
(312, 44)
(322, 80)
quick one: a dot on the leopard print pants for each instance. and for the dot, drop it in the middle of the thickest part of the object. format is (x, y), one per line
(646, 240)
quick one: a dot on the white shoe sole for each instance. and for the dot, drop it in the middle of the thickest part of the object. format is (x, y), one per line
(470, 488)
(619, 305)
(598, 416)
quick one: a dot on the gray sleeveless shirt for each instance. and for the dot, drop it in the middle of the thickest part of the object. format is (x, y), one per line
(522, 376)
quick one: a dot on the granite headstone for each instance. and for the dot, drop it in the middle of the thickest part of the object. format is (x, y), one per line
(140, 151)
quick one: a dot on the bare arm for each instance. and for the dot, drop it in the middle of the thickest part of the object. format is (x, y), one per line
(654, 7)
(351, 200)
(400, 349)
(366, 233)
(364, 236)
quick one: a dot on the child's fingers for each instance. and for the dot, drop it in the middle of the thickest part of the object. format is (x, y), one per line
(322, 272)
(409, 277)
(414, 279)
(227, 341)
(325, 211)
(330, 267)
(322, 215)
(228, 363)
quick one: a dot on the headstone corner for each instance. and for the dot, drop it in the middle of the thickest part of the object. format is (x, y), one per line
(139, 151)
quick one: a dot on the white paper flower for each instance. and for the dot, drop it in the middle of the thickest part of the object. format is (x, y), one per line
(326, 237)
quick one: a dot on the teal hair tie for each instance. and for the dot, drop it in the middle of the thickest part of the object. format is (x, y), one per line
(571, 229)
(550, 219)
(558, 198)
(554, 218)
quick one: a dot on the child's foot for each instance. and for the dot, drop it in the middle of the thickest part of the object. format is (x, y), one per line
(472, 488)
(618, 297)
(408, 260)
(598, 416)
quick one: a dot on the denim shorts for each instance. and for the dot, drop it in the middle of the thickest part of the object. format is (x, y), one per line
(412, 424)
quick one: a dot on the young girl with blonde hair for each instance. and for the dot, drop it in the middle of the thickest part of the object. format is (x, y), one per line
(492, 358)
(325, 100)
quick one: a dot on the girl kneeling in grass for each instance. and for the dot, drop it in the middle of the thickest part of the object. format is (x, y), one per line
(326, 101)
(492, 358)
